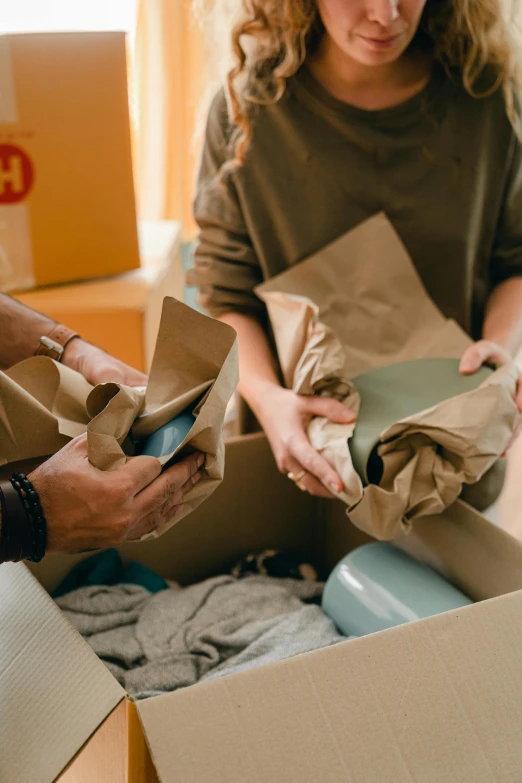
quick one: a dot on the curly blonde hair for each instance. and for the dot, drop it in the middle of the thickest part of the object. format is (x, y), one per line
(272, 38)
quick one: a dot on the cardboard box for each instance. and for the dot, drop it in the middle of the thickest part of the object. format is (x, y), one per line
(67, 209)
(122, 314)
(436, 701)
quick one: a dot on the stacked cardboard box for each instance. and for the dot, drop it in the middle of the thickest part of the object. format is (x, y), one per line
(121, 314)
(67, 207)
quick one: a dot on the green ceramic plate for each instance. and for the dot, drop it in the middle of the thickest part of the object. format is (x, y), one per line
(389, 394)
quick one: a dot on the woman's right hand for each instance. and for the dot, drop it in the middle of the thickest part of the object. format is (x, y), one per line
(285, 417)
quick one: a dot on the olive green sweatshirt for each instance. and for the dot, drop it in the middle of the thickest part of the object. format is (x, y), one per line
(445, 167)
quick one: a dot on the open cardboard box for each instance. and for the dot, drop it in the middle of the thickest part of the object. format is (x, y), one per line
(436, 701)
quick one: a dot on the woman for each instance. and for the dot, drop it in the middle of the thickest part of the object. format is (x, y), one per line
(342, 109)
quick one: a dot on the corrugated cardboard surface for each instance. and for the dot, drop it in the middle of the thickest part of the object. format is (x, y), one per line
(480, 558)
(54, 692)
(121, 314)
(116, 753)
(438, 701)
(105, 757)
(72, 122)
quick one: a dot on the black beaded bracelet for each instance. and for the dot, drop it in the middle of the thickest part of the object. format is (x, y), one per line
(35, 514)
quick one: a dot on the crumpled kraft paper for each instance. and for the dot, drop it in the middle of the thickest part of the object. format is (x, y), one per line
(370, 296)
(360, 304)
(44, 404)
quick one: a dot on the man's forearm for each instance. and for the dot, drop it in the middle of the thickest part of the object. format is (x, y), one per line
(20, 331)
(503, 321)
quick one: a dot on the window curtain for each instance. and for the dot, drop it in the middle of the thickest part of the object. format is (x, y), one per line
(167, 74)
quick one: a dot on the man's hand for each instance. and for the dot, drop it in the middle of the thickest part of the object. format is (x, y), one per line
(96, 366)
(88, 509)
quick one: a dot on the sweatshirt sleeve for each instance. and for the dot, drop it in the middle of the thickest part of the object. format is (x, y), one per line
(506, 261)
(226, 266)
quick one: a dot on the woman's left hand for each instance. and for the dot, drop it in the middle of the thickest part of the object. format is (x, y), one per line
(96, 366)
(488, 352)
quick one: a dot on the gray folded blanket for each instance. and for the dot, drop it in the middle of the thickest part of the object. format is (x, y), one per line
(154, 643)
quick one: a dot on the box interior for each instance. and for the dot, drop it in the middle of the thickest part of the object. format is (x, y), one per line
(256, 508)
(393, 706)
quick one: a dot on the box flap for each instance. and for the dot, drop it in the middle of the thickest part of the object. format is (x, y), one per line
(480, 558)
(54, 691)
(432, 701)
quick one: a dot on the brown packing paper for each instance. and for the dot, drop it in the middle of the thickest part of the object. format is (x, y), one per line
(113, 410)
(43, 404)
(194, 354)
(310, 354)
(427, 457)
(327, 332)
(370, 296)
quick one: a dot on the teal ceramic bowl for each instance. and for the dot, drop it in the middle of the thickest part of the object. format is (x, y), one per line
(377, 586)
(389, 394)
(169, 437)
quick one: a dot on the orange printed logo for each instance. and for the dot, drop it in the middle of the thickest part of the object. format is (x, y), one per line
(16, 174)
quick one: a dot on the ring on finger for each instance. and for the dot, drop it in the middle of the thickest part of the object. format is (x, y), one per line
(298, 479)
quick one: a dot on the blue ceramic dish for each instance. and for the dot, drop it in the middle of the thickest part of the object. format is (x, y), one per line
(169, 437)
(377, 586)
